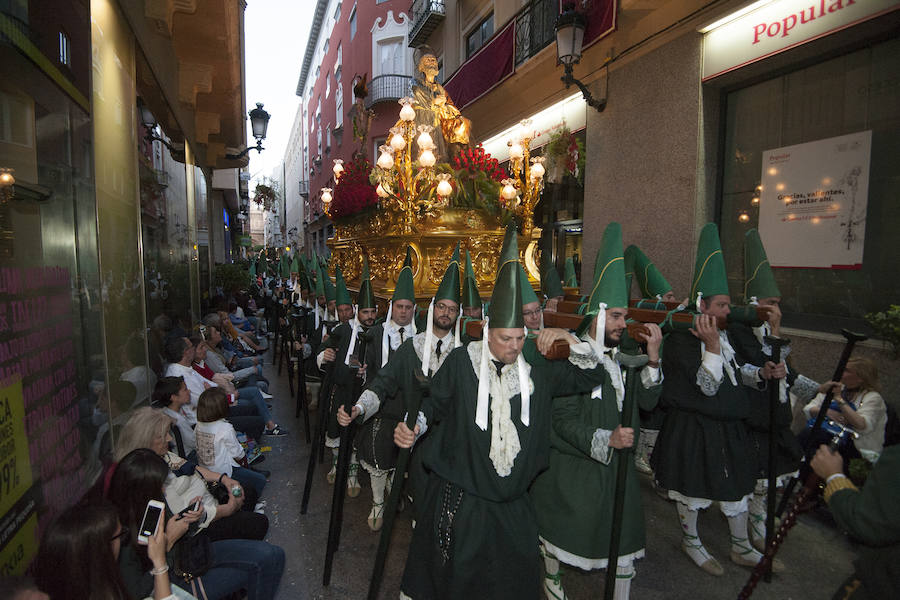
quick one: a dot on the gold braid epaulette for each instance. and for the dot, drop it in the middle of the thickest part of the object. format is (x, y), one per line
(836, 484)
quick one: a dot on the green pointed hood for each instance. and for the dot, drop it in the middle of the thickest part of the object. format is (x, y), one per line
(342, 296)
(470, 296)
(295, 265)
(449, 287)
(710, 278)
(551, 284)
(285, 266)
(252, 268)
(366, 297)
(571, 279)
(405, 289)
(528, 294)
(760, 280)
(330, 292)
(649, 279)
(320, 285)
(609, 276)
(505, 310)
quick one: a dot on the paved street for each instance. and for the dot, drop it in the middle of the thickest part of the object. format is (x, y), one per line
(817, 555)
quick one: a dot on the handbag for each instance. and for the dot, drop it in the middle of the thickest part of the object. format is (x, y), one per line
(218, 491)
(193, 558)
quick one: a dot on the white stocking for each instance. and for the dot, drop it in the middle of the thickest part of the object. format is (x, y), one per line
(690, 539)
(624, 575)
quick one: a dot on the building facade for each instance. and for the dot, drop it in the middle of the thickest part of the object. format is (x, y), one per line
(116, 201)
(350, 42)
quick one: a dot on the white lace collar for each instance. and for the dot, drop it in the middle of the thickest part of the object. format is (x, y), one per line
(446, 347)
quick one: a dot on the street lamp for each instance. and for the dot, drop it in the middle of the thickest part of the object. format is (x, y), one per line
(150, 124)
(259, 123)
(570, 26)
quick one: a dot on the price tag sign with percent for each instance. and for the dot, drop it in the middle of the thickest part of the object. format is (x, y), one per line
(15, 465)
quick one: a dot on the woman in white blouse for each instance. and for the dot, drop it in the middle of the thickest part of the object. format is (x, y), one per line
(857, 404)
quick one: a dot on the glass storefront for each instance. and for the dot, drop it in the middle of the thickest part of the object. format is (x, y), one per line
(855, 92)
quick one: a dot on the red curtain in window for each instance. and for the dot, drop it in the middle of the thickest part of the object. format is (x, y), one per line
(489, 66)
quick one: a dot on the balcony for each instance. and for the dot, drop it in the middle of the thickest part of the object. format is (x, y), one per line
(535, 28)
(426, 16)
(304, 188)
(388, 88)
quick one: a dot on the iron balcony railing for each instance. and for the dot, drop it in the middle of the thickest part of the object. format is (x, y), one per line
(387, 88)
(535, 28)
(426, 16)
(304, 187)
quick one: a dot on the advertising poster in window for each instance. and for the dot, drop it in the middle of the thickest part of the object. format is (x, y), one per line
(812, 211)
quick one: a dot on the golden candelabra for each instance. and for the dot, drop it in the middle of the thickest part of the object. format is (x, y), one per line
(522, 191)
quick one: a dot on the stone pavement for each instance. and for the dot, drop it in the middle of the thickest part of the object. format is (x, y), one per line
(818, 556)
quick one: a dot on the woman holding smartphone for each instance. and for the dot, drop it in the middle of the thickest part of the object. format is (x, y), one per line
(78, 555)
(251, 565)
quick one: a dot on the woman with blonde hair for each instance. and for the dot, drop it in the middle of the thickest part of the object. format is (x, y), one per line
(150, 428)
(857, 404)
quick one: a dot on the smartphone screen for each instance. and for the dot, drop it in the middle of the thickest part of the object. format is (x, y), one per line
(150, 521)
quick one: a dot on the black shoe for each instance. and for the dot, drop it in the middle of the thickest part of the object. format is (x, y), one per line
(262, 472)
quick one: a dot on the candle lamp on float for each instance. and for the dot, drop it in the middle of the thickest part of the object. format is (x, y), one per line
(404, 182)
(522, 190)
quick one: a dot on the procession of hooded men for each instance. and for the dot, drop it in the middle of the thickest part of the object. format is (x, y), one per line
(515, 428)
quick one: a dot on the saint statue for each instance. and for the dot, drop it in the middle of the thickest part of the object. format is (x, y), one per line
(434, 107)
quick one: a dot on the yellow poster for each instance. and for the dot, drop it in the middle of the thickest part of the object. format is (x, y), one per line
(15, 465)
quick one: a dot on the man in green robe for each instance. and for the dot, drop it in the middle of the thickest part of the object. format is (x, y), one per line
(574, 498)
(704, 452)
(750, 344)
(489, 411)
(532, 311)
(384, 402)
(343, 344)
(870, 516)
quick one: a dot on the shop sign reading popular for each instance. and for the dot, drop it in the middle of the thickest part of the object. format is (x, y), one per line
(767, 28)
(812, 209)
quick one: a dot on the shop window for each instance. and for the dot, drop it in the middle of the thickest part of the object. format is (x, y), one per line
(853, 93)
(479, 36)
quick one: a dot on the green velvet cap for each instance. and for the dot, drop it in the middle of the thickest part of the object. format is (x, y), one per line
(609, 276)
(551, 284)
(571, 279)
(759, 278)
(449, 287)
(342, 296)
(528, 294)
(320, 285)
(295, 265)
(366, 297)
(470, 296)
(285, 266)
(649, 279)
(405, 289)
(505, 310)
(710, 277)
(330, 292)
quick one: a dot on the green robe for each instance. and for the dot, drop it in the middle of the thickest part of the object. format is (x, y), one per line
(704, 449)
(476, 535)
(395, 386)
(343, 378)
(870, 515)
(574, 497)
(787, 448)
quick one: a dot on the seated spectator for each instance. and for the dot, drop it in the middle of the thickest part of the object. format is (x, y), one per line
(181, 352)
(232, 351)
(251, 375)
(237, 318)
(238, 336)
(234, 518)
(245, 394)
(79, 553)
(250, 565)
(217, 445)
(857, 404)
